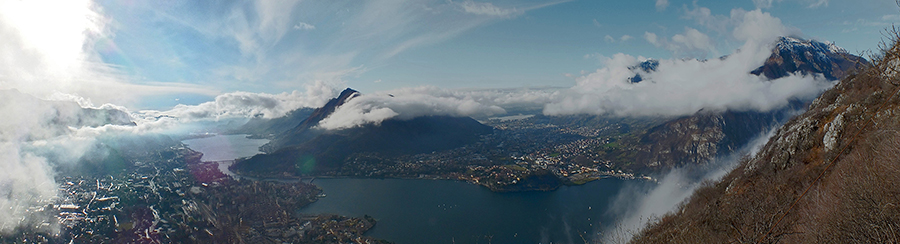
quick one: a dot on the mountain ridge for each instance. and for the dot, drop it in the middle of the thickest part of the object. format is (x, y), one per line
(844, 150)
(308, 150)
(306, 130)
(706, 135)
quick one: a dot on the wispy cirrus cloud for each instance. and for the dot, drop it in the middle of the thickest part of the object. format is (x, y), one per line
(489, 9)
(304, 26)
(270, 45)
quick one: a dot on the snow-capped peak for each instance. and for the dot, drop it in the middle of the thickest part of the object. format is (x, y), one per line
(787, 43)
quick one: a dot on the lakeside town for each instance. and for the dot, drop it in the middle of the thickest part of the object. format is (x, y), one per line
(171, 196)
(521, 155)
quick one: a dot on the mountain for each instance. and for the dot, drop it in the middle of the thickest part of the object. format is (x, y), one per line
(643, 68)
(830, 175)
(706, 135)
(789, 55)
(792, 55)
(306, 150)
(305, 131)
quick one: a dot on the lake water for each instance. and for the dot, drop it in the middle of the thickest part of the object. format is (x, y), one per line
(442, 211)
(225, 147)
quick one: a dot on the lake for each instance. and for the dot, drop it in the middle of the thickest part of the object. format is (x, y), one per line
(443, 211)
(225, 147)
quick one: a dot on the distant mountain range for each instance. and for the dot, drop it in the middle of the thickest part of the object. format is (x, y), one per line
(647, 145)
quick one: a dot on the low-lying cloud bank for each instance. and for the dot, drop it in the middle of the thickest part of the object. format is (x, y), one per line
(407, 104)
(32, 129)
(685, 86)
(249, 105)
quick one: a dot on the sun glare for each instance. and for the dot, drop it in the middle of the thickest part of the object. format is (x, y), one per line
(55, 31)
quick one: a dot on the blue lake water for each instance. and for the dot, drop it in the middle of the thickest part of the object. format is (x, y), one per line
(440, 211)
(443, 211)
(225, 147)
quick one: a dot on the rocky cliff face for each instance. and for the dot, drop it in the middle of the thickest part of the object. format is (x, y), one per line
(706, 135)
(845, 149)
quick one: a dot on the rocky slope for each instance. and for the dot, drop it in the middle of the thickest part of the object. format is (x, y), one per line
(706, 135)
(845, 149)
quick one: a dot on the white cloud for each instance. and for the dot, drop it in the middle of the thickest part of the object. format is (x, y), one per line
(682, 87)
(626, 38)
(652, 38)
(597, 23)
(304, 26)
(264, 26)
(759, 27)
(31, 129)
(818, 3)
(692, 38)
(408, 103)
(661, 5)
(609, 39)
(248, 105)
(704, 17)
(49, 50)
(692, 41)
(761, 4)
(27, 181)
(405, 104)
(489, 9)
(764, 4)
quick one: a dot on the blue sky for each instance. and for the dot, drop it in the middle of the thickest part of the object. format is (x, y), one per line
(188, 52)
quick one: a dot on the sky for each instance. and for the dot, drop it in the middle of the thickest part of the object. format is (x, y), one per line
(156, 54)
